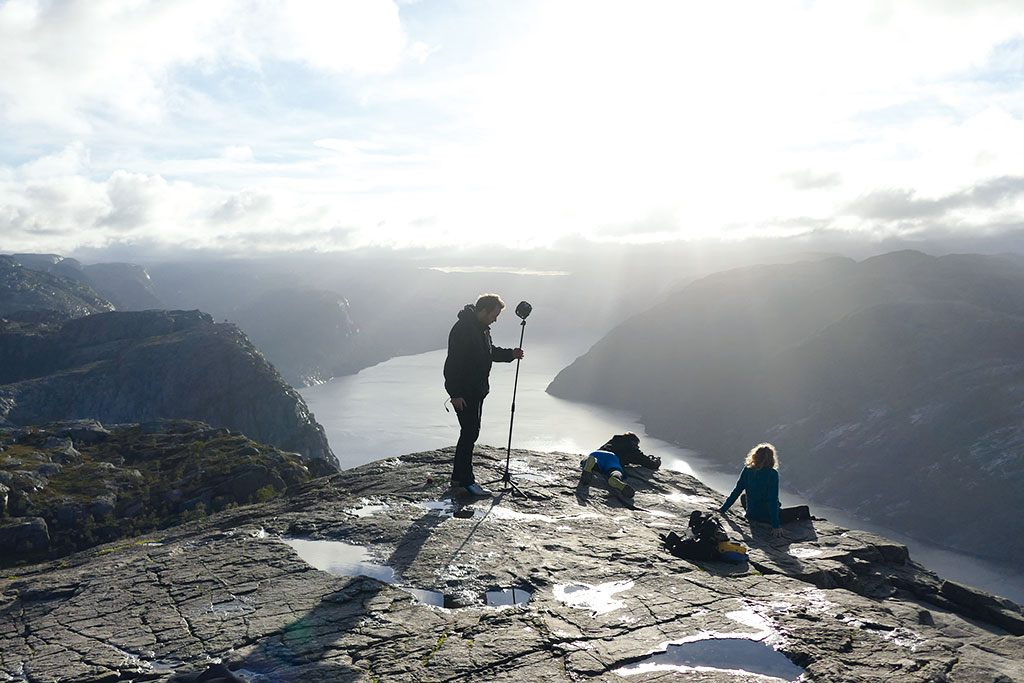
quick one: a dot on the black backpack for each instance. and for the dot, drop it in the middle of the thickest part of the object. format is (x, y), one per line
(700, 540)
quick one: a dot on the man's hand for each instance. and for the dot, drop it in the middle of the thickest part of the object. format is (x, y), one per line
(517, 353)
(459, 403)
(777, 532)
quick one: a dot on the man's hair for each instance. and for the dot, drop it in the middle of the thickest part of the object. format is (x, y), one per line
(762, 455)
(488, 302)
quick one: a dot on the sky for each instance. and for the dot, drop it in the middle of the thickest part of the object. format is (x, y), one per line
(248, 126)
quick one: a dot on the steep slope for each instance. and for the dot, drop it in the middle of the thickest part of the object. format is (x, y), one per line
(24, 289)
(367, 576)
(142, 366)
(888, 385)
(307, 334)
(126, 285)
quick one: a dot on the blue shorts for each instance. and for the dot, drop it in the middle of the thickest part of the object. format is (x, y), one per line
(607, 462)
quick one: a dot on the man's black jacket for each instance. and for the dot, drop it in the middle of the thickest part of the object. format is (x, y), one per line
(470, 353)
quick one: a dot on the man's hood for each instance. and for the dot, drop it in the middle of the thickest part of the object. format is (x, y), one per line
(468, 313)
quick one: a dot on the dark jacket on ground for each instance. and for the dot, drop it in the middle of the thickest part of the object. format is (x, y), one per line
(470, 353)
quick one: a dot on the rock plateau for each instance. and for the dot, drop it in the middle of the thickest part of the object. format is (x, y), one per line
(418, 579)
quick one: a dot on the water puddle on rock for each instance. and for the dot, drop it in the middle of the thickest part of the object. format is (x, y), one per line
(595, 598)
(508, 596)
(346, 559)
(736, 656)
(367, 508)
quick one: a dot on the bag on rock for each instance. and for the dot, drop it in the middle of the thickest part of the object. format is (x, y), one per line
(732, 552)
(700, 541)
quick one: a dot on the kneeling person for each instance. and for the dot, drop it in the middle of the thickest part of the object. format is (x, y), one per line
(608, 464)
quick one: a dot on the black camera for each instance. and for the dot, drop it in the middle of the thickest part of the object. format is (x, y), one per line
(523, 310)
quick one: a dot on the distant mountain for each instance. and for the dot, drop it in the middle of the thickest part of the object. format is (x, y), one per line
(127, 286)
(894, 387)
(307, 334)
(25, 289)
(142, 366)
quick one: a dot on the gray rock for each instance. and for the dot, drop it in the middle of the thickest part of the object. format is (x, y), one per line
(26, 535)
(87, 432)
(103, 505)
(604, 596)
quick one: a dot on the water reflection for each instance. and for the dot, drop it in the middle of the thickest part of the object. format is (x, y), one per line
(346, 559)
(508, 596)
(727, 655)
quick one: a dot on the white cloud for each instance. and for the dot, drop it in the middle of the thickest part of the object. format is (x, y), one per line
(650, 120)
(119, 56)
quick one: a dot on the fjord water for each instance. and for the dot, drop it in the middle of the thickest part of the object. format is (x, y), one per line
(398, 407)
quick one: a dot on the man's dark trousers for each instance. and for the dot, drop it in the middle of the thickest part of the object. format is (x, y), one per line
(469, 421)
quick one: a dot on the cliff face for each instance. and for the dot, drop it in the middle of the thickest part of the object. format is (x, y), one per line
(888, 385)
(125, 285)
(24, 289)
(143, 366)
(307, 334)
(418, 588)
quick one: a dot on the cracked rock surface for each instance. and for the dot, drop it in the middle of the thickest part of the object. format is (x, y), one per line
(603, 597)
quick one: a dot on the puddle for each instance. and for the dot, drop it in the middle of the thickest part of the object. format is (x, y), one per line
(442, 507)
(337, 557)
(736, 656)
(805, 552)
(346, 559)
(508, 596)
(595, 598)
(367, 509)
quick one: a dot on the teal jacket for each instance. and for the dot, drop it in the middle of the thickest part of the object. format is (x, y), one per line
(762, 487)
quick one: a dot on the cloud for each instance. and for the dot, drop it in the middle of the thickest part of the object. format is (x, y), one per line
(134, 198)
(807, 179)
(244, 205)
(903, 204)
(65, 60)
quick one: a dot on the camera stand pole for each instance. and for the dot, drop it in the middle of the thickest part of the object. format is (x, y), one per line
(506, 478)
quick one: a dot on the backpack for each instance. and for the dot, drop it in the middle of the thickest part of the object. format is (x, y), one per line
(732, 552)
(700, 540)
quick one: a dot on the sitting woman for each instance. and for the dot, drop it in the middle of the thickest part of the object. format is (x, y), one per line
(760, 481)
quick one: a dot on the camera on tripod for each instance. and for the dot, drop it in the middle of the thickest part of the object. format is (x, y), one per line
(524, 309)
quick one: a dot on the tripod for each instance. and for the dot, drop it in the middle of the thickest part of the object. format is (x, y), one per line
(506, 479)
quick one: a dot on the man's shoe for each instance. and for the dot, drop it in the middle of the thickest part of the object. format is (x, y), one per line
(588, 464)
(620, 488)
(476, 490)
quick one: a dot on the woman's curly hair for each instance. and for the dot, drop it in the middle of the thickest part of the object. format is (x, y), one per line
(762, 455)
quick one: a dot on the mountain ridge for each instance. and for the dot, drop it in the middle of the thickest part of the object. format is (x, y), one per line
(850, 369)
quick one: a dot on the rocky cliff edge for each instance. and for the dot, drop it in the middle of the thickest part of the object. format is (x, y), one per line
(420, 589)
(141, 366)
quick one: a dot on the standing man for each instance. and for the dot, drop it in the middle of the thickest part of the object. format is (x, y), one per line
(466, 371)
